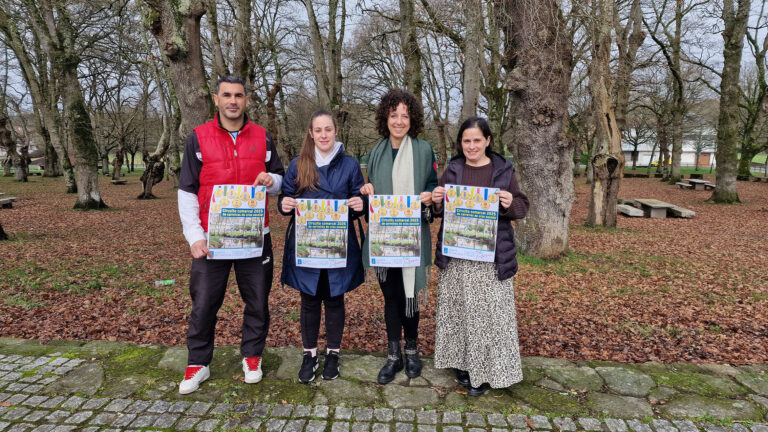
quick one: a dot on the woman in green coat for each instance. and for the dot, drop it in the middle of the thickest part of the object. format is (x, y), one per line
(402, 164)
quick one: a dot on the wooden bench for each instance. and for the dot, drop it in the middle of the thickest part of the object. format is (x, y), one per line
(628, 210)
(696, 176)
(682, 185)
(709, 186)
(7, 203)
(119, 182)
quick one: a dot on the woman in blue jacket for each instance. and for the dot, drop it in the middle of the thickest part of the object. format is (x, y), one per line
(322, 171)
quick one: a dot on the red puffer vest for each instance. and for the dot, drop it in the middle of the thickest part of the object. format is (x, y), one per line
(226, 162)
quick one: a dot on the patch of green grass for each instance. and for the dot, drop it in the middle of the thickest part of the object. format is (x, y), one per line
(728, 422)
(531, 297)
(631, 327)
(23, 300)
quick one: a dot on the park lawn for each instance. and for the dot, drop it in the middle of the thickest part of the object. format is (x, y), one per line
(649, 290)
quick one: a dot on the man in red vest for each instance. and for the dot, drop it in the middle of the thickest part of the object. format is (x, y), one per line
(227, 150)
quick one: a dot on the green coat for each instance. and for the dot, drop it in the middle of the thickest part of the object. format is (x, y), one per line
(380, 164)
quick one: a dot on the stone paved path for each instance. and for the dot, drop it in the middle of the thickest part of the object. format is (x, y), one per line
(102, 386)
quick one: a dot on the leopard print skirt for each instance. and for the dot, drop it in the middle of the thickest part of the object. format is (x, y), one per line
(476, 324)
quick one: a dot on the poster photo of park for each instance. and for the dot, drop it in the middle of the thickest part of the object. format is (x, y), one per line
(471, 217)
(236, 221)
(321, 233)
(394, 223)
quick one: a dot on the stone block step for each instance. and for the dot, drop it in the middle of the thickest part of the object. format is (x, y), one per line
(628, 210)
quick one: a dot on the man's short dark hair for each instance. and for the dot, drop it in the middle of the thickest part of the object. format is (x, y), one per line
(232, 79)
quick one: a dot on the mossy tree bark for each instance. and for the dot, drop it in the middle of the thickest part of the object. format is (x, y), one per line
(735, 21)
(176, 26)
(60, 40)
(540, 51)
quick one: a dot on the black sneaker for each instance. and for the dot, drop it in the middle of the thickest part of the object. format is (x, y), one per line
(331, 366)
(308, 368)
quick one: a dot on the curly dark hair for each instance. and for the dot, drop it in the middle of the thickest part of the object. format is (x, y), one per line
(389, 103)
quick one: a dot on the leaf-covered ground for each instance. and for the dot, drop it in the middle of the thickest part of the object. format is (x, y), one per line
(665, 290)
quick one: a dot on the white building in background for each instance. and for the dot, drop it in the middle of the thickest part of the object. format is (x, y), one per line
(701, 142)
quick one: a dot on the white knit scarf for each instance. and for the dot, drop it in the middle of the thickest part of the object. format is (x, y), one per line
(402, 184)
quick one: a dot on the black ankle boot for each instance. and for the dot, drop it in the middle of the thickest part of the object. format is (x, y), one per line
(462, 377)
(394, 363)
(412, 360)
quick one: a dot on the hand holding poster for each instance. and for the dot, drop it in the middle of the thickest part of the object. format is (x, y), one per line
(321, 233)
(236, 221)
(394, 227)
(470, 220)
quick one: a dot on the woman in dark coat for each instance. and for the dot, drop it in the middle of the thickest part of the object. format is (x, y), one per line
(476, 324)
(322, 171)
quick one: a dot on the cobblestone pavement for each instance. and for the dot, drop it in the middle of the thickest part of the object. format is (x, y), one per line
(102, 386)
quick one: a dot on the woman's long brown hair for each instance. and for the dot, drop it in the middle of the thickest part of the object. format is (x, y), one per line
(307, 170)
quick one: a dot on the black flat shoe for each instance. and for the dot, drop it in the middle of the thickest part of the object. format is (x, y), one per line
(478, 391)
(462, 377)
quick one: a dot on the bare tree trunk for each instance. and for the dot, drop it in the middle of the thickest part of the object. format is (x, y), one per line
(327, 56)
(538, 85)
(589, 170)
(243, 56)
(9, 144)
(629, 39)
(51, 165)
(117, 165)
(44, 92)
(321, 73)
(219, 65)
(653, 150)
(607, 159)
(272, 112)
(176, 26)
(473, 49)
(442, 150)
(577, 152)
(3, 235)
(735, 21)
(411, 50)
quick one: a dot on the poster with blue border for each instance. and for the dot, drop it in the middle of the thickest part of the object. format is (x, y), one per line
(236, 221)
(470, 222)
(321, 233)
(394, 229)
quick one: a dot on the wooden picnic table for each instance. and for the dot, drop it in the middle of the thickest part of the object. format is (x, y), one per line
(697, 184)
(654, 208)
